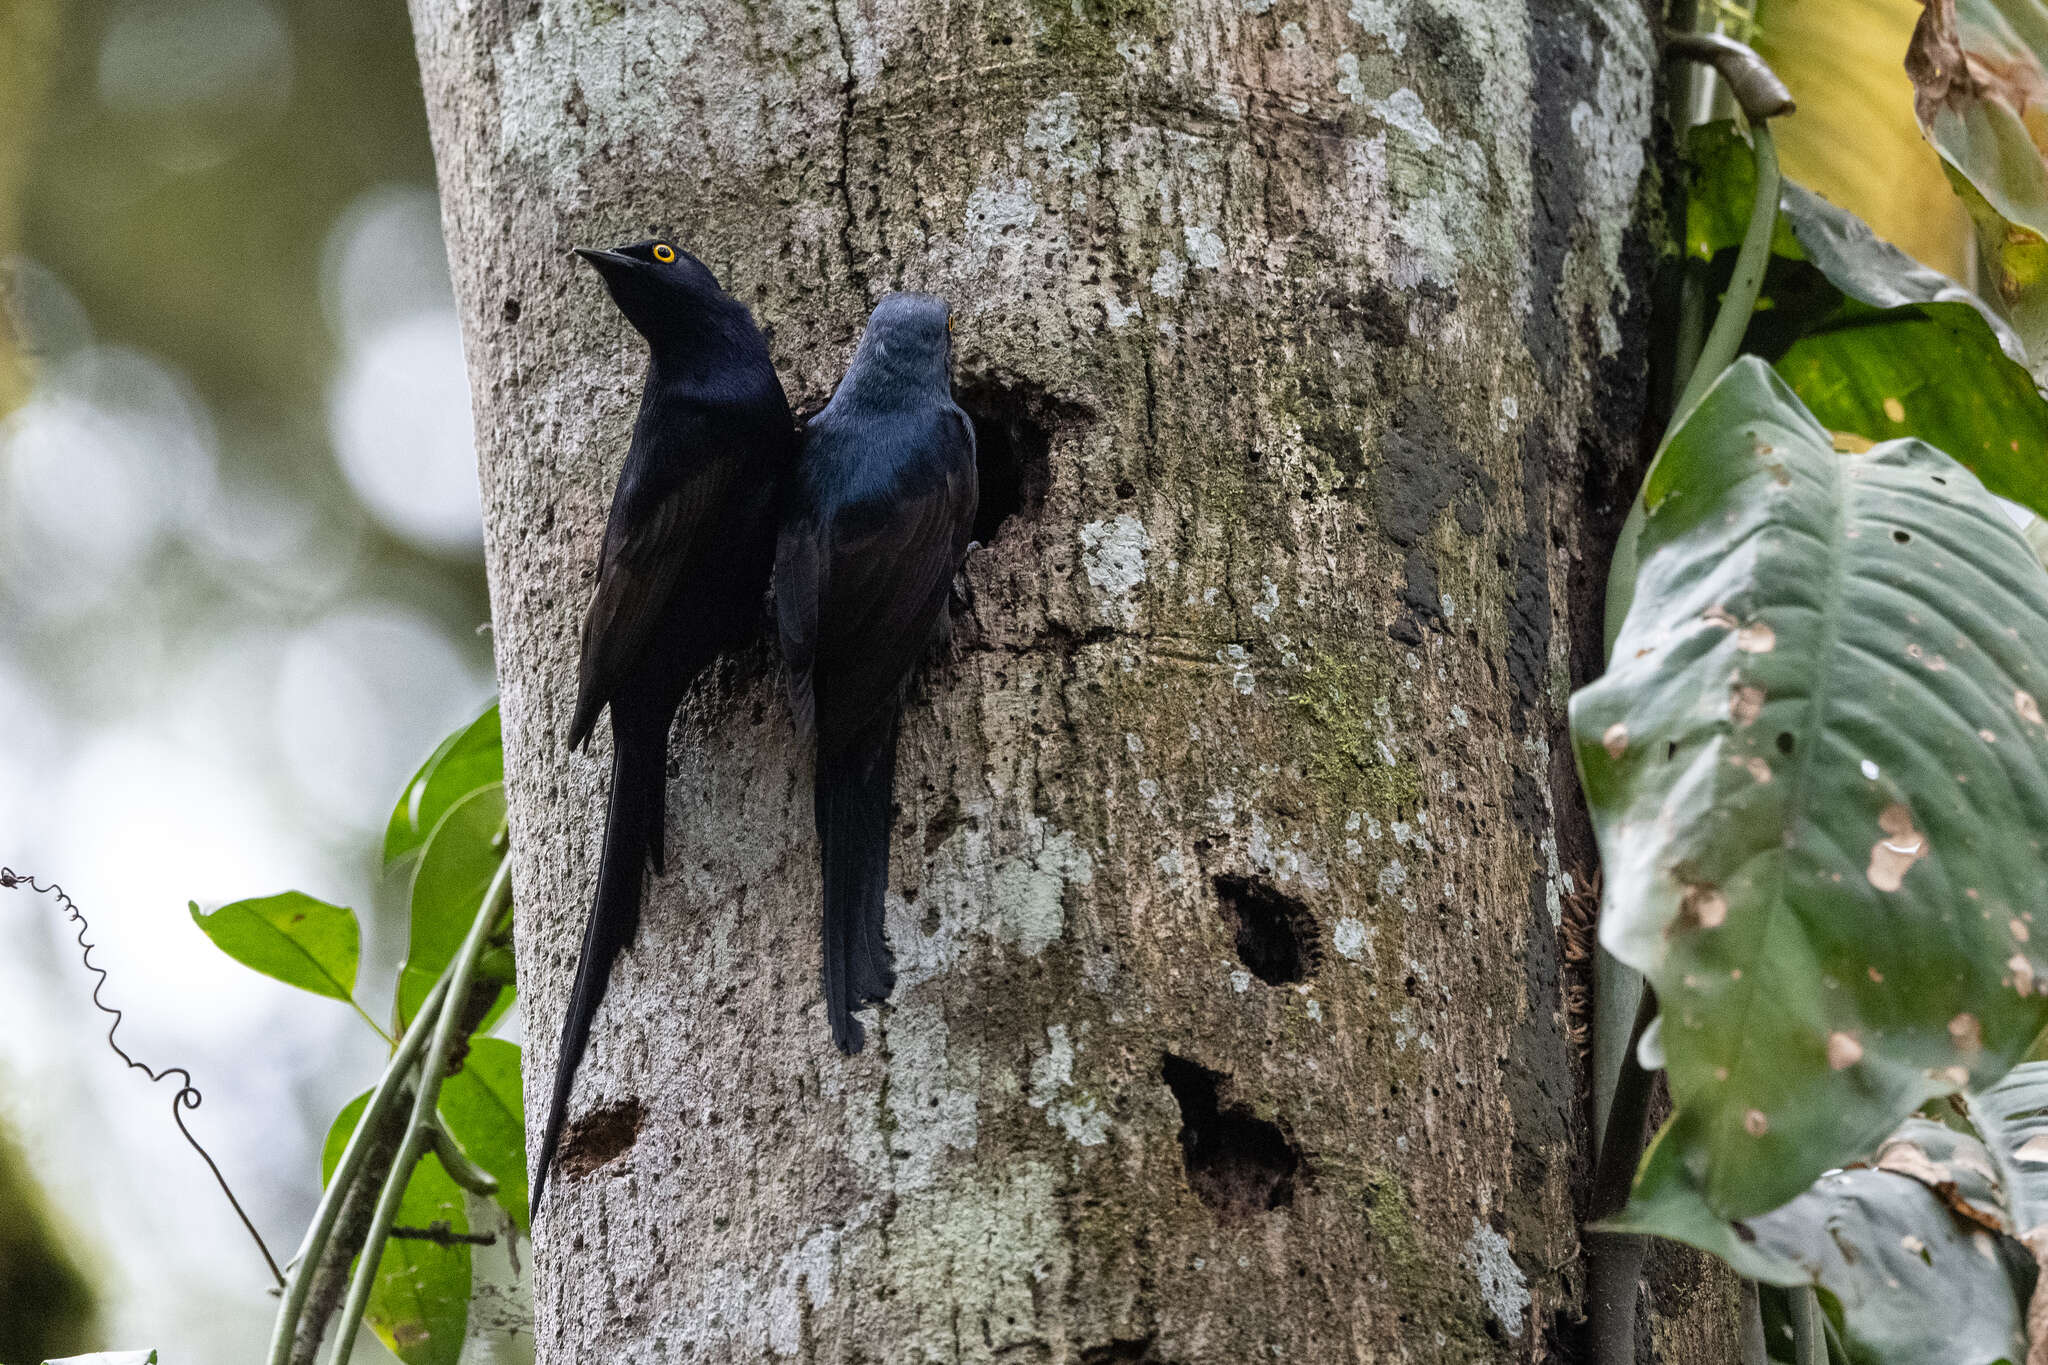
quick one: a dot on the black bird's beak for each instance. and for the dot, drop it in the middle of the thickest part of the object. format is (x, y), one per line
(609, 264)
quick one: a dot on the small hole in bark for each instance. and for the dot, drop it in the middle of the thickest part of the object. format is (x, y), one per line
(1237, 1164)
(1902, 537)
(511, 310)
(1276, 934)
(1785, 742)
(1126, 490)
(942, 824)
(600, 1138)
(1013, 427)
(1122, 1351)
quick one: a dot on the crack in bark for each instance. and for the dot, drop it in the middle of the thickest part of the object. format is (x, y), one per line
(844, 182)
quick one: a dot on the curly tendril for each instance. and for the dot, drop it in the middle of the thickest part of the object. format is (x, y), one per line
(187, 1095)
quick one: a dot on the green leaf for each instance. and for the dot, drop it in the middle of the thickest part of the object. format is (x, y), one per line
(1906, 1279)
(1976, 82)
(1819, 777)
(483, 1108)
(455, 870)
(1720, 188)
(420, 1305)
(1873, 342)
(2012, 1117)
(1911, 353)
(298, 940)
(1911, 1283)
(1854, 139)
(472, 757)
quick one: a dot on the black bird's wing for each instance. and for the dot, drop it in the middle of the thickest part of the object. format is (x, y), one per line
(659, 528)
(682, 529)
(869, 583)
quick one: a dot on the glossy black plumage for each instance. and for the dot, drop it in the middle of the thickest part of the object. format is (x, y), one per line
(878, 521)
(686, 559)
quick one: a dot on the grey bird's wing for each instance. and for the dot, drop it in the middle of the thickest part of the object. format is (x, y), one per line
(887, 567)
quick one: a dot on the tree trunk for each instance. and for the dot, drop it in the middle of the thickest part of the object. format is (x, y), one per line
(1306, 354)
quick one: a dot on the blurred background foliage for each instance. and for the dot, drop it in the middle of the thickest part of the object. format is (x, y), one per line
(46, 1303)
(241, 595)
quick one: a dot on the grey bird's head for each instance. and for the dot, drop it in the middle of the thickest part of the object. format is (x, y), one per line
(664, 291)
(907, 348)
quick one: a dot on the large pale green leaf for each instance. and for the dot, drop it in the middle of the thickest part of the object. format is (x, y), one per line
(300, 941)
(1907, 1281)
(2012, 1116)
(482, 1106)
(1873, 342)
(472, 757)
(420, 1305)
(1819, 775)
(1911, 1268)
(460, 859)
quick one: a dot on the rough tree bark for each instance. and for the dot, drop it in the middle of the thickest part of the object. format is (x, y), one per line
(1305, 346)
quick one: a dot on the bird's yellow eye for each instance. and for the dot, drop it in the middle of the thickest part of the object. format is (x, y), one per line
(664, 253)
(949, 322)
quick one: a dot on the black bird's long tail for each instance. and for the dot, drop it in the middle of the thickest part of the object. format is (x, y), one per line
(853, 793)
(632, 839)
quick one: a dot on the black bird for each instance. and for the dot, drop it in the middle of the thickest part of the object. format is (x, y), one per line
(686, 560)
(877, 524)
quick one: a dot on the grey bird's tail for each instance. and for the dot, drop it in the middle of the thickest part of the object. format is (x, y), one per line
(632, 840)
(854, 788)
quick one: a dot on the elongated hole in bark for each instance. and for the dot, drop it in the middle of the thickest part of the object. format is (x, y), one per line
(600, 1137)
(1237, 1163)
(1013, 449)
(1276, 934)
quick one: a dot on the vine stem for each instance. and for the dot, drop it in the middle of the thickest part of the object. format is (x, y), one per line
(1754, 1351)
(419, 1134)
(1615, 1260)
(1809, 1345)
(1621, 1087)
(1723, 342)
(382, 1102)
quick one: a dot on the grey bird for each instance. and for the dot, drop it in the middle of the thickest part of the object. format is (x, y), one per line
(876, 525)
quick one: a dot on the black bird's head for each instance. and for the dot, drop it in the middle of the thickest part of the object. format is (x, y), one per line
(662, 289)
(908, 345)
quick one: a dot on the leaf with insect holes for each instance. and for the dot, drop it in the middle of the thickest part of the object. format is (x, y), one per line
(1906, 1279)
(294, 938)
(1819, 775)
